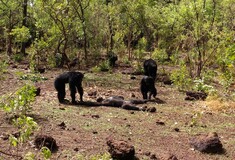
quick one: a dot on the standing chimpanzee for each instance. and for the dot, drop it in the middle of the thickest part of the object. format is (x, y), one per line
(147, 85)
(112, 58)
(150, 68)
(75, 84)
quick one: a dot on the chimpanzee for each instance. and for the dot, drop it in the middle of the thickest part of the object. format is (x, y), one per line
(112, 57)
(150, 68)
(147, 85)
(72, 63)
(75, 84)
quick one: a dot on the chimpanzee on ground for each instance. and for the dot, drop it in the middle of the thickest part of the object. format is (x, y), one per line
(112, 58)
(150, 68)
(72, 63)
(75, 84)
(147, 85)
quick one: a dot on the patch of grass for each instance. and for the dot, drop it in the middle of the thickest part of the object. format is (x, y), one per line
(220, 105)
(115, 80)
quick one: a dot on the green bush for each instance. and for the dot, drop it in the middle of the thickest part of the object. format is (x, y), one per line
(19, 103)
(182, 79)
(3, 68)
(199, 85)
(32, 77)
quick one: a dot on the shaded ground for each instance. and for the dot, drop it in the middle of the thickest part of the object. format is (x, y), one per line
(82, 130)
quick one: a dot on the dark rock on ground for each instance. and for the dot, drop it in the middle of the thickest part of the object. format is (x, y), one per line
(191, 95)
(92, 93)
(46, 141)
(160, 123)
(165, 79)
(207, 143)
(151, 109)
(37, 91)
(62, 125)
(121, 150)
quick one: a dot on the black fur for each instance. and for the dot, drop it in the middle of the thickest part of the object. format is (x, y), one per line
(147, 85)
(112, 57)
(150, 68)
(75, 84)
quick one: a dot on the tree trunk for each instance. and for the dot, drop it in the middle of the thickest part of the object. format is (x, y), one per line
(9, 43)
(111, 31)
(23, 45)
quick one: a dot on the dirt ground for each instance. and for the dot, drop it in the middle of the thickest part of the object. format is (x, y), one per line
(85, 130)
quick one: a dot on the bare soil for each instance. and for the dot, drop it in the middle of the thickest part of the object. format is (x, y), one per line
(82, 130)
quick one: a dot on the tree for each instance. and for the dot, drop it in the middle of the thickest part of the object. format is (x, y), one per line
(9, 11)
(79, 7)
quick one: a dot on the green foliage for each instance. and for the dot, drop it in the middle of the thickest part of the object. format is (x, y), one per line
(3, 68)
(19, 103)
(199, 85)
(29, 156)
(138, 67)
(21, 34)
(160, 55)
(141, 47)
(33, 77)
(13, 141)
(18, 57)
(102, 67)
(126, 60)
(181, 78)
(46, 152)
(26, 127)
(227, 79)
(195, 119)
(202, 31)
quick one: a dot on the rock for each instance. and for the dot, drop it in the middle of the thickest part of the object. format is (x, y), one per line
(95, 116)
(37, 91)
(62, 125)
(160, 123)
(207, 143)
(151, 109)
(195, 95)
(121, 150)
(45, 141)
(133, 77)
(99, 99)
(177, 129)
(41, 69)
(92, 93)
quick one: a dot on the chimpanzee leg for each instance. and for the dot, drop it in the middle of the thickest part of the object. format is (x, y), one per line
(144, 95)
(72, 92)
(80, 91)
(144, 91)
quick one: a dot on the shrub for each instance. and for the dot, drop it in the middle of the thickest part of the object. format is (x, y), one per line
(20, 103)
(181, 78)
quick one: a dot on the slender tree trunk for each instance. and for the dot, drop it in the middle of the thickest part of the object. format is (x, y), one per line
(9, 42)
(129, 39)
(9, 27)
(85, 42)
(23, 45)
(111, 32)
